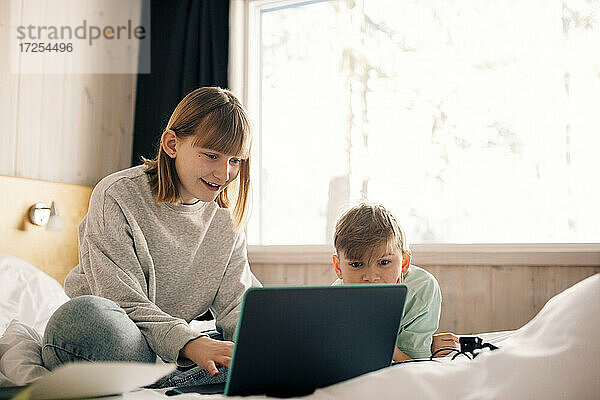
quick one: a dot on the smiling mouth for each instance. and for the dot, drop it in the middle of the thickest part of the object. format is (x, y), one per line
(211, 186)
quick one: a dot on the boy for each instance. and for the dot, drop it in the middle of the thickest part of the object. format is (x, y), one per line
(371, 248)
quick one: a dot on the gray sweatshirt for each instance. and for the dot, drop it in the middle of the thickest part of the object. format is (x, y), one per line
(164, 264)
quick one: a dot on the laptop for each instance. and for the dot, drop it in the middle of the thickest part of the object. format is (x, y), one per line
(292, 340)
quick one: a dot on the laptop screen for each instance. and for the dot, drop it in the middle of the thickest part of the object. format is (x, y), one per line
(292, 340)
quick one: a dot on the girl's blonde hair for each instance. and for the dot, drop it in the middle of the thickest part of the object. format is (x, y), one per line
(368, 231)
(217, 121)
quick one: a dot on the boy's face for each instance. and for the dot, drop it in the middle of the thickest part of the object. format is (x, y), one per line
(386, 268)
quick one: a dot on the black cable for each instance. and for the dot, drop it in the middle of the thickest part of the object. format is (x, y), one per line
(411, 361)
(443, 349)
(489, 346)
(470, 355)
(463, 353)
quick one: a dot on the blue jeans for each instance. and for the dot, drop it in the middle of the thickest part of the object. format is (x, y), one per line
(91, 328)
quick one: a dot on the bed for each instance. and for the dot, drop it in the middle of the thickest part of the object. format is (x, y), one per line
(555, 355)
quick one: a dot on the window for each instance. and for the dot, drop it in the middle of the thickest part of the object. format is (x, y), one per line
(473, 122)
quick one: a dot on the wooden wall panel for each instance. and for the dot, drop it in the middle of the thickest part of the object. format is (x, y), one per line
(9, 84)
(476, 298)
(72, 128)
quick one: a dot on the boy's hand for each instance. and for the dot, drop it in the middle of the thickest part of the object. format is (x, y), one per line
(444, 341)
(207, 353)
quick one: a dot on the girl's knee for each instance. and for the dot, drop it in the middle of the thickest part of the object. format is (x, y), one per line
(93, 328)
(82, 306)
(79, 315)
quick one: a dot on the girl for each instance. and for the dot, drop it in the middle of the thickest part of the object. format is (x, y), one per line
(159, 247)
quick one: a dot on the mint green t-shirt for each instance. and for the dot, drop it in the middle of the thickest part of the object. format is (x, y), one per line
(421, 315)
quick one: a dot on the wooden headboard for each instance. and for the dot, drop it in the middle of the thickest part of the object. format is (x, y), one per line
(53, 252)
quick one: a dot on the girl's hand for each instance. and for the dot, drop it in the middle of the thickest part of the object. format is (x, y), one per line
(207, 353)
(444, 341)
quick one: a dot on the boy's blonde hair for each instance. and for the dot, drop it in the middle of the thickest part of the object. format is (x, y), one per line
(368, 231)
(219, 122)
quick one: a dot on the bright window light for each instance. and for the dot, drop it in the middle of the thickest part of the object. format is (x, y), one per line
(474, 122)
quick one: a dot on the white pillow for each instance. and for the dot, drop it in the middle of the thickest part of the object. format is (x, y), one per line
(27, 294)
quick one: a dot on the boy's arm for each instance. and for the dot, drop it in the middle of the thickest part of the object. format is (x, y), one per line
(440, 341)
(415, 338)
(399, 355)
(444, 341)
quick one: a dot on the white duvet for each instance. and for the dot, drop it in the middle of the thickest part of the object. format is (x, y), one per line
(28, 298)
(555, 356)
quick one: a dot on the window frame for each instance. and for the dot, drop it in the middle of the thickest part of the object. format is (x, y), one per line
(244, 78)
(440, 254)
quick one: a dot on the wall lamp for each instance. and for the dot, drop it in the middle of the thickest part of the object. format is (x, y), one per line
(40, 214)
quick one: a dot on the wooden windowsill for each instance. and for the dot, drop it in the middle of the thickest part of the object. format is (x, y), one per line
(543, 254)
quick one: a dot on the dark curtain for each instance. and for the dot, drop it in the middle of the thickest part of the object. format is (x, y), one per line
(189, 49)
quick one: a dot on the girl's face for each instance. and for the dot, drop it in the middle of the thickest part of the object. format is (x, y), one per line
(203, 173)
